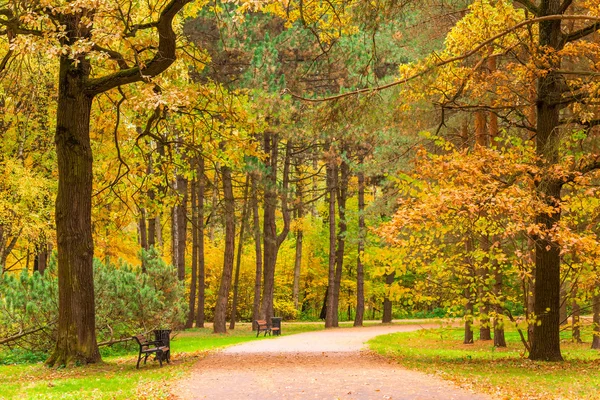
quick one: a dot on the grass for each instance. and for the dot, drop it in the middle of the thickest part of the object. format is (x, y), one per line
(116, 377)
(504, 373)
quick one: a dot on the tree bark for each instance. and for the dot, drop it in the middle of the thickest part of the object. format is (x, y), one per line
(76, 331)
(182, 188)
(499, 338)
(192, 299)
(258, 252)
(546, 339)
(236, 279)
(272, 241)
(575, 317)
(342, 194)
(596, 316)
(299, 239)
(360, 274)
(223, 296)
(143, 237)
(483, 292)
(200, 232)
(331, 189)
(387, 302)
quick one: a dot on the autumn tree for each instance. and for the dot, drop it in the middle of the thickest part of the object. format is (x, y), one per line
(86, 42)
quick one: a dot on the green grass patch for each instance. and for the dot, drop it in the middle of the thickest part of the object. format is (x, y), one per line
(505, 373)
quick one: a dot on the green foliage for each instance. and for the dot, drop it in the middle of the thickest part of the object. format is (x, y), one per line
(127, 302)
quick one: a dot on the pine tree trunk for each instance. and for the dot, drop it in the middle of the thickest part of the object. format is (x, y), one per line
(76, 330)
(236, 279)
(271, 143)
(360, 272)
(223, 295)
(272, 240)
(387, 302)
(331, 189)
(192, 299)
(258, 252)
(342, 194)
(299, 239)
(200, 233)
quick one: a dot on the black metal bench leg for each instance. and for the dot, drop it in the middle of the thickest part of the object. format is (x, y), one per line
(138, 362)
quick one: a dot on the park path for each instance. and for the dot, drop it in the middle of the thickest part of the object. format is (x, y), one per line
(330, 364)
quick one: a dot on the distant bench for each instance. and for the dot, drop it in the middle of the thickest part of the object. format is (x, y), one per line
(263, 326)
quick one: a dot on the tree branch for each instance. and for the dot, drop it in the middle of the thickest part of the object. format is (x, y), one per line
(23, 334)
(164, 57)
(113, 55)
(581, 33)
(461, 57)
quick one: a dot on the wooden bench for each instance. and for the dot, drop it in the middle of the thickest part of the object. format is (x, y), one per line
(148, 347)
(262, 326)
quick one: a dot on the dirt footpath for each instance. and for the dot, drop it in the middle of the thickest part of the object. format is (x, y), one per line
(324, 365)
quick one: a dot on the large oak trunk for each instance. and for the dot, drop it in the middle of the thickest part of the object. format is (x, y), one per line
(76, 334)
(546, 340)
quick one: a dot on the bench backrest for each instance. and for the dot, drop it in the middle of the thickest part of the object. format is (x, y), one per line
(142, 341)
(261, 323)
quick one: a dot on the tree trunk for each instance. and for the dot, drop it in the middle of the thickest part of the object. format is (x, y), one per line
(575, 318)
(76, 330)
(563, 303)
(360, 274)
(272, 241)
(546, 339)
(483, 293)
(596, 317)
(331, 189)
(236, 279)
(387, 303)
(468, 339)
(499, 339)
(200, 233)
(258, 252)
(143, 238)
(192, 299)
(182, 188)
(41, 258)
(271, 143)
(299, 239)
(223, 296)
(342, 194)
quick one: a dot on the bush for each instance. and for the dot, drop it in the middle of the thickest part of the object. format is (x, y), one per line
(127, 302)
